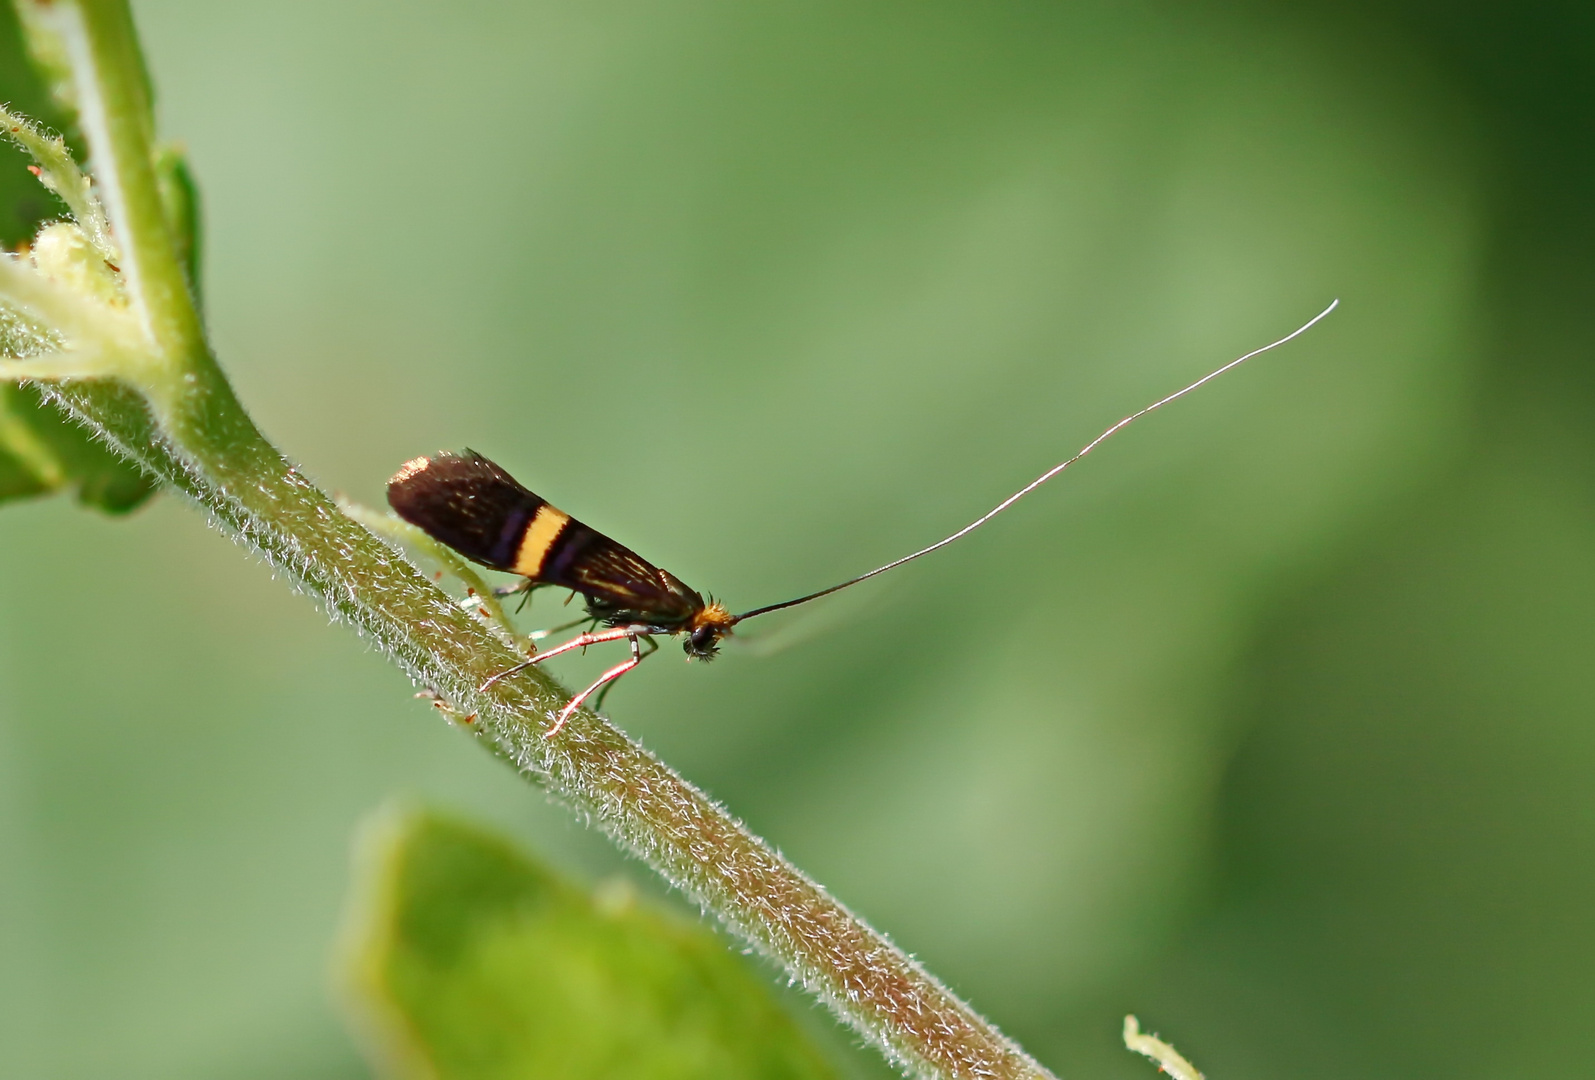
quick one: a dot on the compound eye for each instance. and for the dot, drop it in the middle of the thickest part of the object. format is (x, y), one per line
(703, 639)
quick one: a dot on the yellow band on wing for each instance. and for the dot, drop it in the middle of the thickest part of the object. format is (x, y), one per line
(545, 527)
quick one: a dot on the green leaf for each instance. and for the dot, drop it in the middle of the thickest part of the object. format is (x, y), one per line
(180, 200)
(466, 959)
(42, 450)
(24, 203)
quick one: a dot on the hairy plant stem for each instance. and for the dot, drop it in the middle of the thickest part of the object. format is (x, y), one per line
(185, 425)
(252, 493)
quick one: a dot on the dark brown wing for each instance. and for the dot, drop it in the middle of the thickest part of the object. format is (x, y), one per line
(478, 509)
(468, 503)
(620, 586)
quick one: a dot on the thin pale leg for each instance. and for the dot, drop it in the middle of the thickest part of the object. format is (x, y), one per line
(607, 677)
(598, 702)
(580, 641)
(539, 635)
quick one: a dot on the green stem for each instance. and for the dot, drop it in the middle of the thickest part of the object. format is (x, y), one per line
(402, 532)
(190, 430)
(640, 802)
(60, 173)
(114, 108)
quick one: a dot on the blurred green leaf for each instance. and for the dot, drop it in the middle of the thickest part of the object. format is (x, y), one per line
(24, 203)
(42, 451)
(468, 959)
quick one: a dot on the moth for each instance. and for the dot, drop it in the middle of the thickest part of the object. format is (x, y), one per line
(481, 511)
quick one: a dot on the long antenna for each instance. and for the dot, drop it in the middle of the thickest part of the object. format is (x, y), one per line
(1048, 475)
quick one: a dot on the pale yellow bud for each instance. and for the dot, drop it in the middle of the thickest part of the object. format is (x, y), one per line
(63, 254)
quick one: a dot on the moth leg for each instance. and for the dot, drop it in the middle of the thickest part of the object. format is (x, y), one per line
(581, 641)
(523, 589)
(607, 677)
(651, 645)
(539, 635)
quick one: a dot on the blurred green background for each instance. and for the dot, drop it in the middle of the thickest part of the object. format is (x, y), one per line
(1270, 723)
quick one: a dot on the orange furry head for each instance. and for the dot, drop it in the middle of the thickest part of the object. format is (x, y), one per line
(709, 624)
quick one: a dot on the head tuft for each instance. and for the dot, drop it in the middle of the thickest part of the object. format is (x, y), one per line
(708, 625)
(713, 614)
(410, 469)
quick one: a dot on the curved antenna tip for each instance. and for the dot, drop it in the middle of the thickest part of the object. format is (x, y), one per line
(1050, 473)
